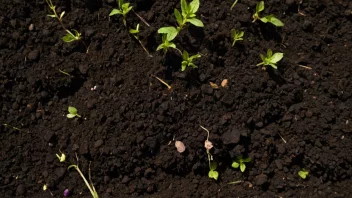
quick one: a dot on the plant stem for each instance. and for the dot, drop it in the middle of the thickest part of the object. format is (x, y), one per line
(90, 187)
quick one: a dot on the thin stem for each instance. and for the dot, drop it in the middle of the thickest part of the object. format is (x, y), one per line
(206, 131)
(93, 192)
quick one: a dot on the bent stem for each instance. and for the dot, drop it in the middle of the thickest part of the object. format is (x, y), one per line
(90, 186)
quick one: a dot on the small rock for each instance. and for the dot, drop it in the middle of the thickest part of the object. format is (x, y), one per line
(231, 137)
(278, 164)
(98, 143)
(261, 179)
(227, 99)
(33, 55)
(290, 2)
(60, 172)
(13, 23)
(281, 149)
(31, 27)
(309, 114)
(259, 125)
(20, 190)
(125, 179)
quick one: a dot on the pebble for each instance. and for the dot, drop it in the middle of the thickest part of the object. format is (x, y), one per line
(98, 143)
(261, 179)
(290, 2)
(232, 136)
(33, 55)
(125, 179)
(278, 163)
(21, 189)
(281, 149)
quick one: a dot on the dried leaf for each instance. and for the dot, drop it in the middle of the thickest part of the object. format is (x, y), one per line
(213, 85)
(224, 83)
(180, 146)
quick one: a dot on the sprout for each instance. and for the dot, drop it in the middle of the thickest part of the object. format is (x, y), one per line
(62, 158)
(72, 112)
(180, 146)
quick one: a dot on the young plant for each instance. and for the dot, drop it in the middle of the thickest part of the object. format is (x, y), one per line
(303, 173)
(188, 14)
(89, 185)
(236, 36)
(213, 174)
(72, 112)
(61, 158)
(123, 9)
(188, 61)
(269, 18)
(135, 33)
(233, 5)
(166, 44)
(70, 36)
(240, 162)
(271, 59)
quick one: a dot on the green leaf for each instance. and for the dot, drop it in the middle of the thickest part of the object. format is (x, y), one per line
(72, 110)
(233, 5)
(170, 31)
(62, 14)
(213, 165)
(178, 17)
(185, 55)
(196, 22)
(246, 160)
(194, 6)
(213, 174)
(126, 8)
(172, 45)
(133, 31)
(195, 56)
(161, 46)
(120, 3)
(235, 164)
(242, 167)
(303, 173)
(184, 8)
(71, 115)
(273, 65)
(114, 12)
(269, 54)
(241, 34)
(276, 57)
(68, 38)
(51, 15)
(192, 65)
(276, 22)
(183, 65)
(259, 7)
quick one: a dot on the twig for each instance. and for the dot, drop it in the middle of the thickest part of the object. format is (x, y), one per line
(9, 126)
(144, 21)
(282, 138)
(167, 85)
(306, 67)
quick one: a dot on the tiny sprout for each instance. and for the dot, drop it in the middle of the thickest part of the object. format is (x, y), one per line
(124, 9)
(180, 146)
(72, 112)
(240, 162)
(188, 14)
(45, 187)
(236, 36)
(166, 44)
(233, 5)
(271, 59)
(213, 174)
(135, 33)
(187, 61)
(269, 18)
(70, 36)
(89, 185)
(303, 173)
(62, 158)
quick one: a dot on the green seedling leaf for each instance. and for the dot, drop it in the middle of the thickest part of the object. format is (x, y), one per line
(61, 158)
(114, 12)
(242, 167)
(233, 5)
(303, 173)
(68, 38)
(166, 44)
(273, 20)
(62, 14)
(187, 61)
(271, 59)
(51, 15)
(72, 112)
(213, 174)
(259, 8)
(171, 32)
(196, 22)
(240, 162)
(213, 165)
(178, 16)
(235, 164)
(184, 8)
(236, 36)
(193, 6)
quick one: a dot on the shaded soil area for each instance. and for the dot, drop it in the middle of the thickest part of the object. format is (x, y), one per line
(296, 117)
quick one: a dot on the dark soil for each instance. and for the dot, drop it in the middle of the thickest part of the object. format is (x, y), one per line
(130, 118)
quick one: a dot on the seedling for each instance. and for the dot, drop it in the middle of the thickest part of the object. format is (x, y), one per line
(188, 14)
(271, 59)
(72, 112)
(9, 126)
(188, 61)
(61, 158)
(269, 18)
(213, 174)
(135, 33)
(89, 185)
(303, 173)
(236, 36)
(70, 36)
(166, 44)
(240, 162)
(170, 32)
(123, 9)
(233, 5)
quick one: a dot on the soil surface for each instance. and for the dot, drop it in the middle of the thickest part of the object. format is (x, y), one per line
(296, 117)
